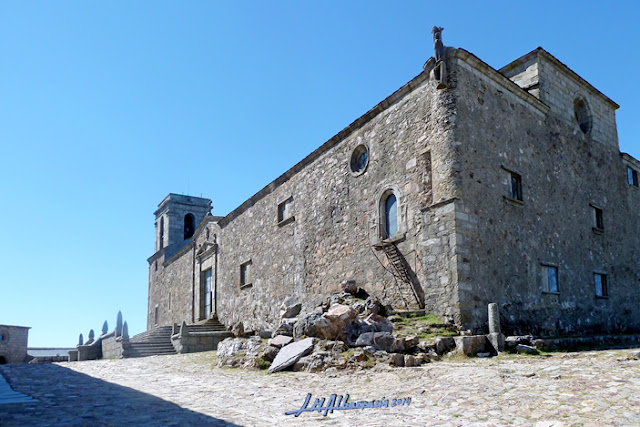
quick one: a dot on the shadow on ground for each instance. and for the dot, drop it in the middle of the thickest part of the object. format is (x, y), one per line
(69, 398)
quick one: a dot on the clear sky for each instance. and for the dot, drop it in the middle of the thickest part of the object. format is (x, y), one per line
(106, 107)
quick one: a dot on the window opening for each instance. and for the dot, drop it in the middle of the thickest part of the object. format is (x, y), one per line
(632, 176)
(245, 274)
(391, 216)
(285, 211)
(600, 282)
(582, 115)
(550, 279)
(598, 218)
(207, 293)
(515, 186)
(189, 226)
(3, 361)
(359, 159)
(155, 315)
(161, 237)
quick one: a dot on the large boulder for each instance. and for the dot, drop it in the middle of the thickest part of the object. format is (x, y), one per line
(306, 325)
(333, 324)
(286, 327)
(381, 341)
(289, 308)
(371, 323)
(233, 346)
(290, 354)
(349, 286)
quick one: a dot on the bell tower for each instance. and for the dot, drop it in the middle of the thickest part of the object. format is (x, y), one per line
(177, 218)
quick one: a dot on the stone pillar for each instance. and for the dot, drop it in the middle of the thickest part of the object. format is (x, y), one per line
(494, 318)
(495, 336)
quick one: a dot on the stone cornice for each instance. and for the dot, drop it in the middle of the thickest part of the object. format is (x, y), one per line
(627, 158)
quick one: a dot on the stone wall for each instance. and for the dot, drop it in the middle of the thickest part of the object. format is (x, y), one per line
(114, 347)
(13, 343)
(334, 223)
(450, 157)
(564, 173)
(171, 289)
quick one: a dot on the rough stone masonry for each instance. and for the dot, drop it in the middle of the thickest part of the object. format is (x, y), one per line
(495, 186)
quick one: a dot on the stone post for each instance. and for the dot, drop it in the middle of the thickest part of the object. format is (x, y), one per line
(495, 336)
(125, 331)
(119, 324)
(494, 318)
(105, 327)
(183, 329)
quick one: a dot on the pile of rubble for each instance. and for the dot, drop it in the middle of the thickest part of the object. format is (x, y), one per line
(349, 329)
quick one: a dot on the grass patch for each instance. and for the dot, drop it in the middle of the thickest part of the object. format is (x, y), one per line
(424, 327)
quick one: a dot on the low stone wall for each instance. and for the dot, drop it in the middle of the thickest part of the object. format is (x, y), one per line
(52, 359)
(587, 341)
(91, 351)
(193, 342)
(115, 347)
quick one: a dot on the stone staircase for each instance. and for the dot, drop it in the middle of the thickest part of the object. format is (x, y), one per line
(209, 325)
(156, 341)
(201, 336)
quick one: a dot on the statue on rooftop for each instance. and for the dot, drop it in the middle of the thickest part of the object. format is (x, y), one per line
(438, 47)
(439, 58)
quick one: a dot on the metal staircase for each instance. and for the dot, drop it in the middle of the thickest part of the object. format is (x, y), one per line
(399, 268)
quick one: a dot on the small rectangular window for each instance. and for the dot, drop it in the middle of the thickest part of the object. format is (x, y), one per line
(514, 185)
(285, 211)
(632, 176)
(245, 274)
(600, 282)
(550, 279)
(597, 218)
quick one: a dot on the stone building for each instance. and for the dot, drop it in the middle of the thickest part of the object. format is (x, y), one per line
(467, 186)
(13, 344)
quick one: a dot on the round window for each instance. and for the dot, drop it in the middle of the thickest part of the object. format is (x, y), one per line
(359, 159)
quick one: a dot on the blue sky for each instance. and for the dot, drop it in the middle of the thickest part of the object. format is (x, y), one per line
(106, 107)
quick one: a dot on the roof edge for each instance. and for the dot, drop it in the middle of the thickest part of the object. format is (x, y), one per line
(332, 142)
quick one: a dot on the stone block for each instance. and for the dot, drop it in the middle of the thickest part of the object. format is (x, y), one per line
(497, 341)
(290, 354)
(471, 345)
(280, 341)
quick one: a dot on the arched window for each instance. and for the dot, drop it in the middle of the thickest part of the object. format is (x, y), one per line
(161, 236)
(390, 216)
(189, 226)
(390, 219)
(582, 114)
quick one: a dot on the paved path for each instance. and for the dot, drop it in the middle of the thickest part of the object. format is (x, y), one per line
(588, 389)
(8, 395)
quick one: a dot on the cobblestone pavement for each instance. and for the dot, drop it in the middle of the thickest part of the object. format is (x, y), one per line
(590, 388)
